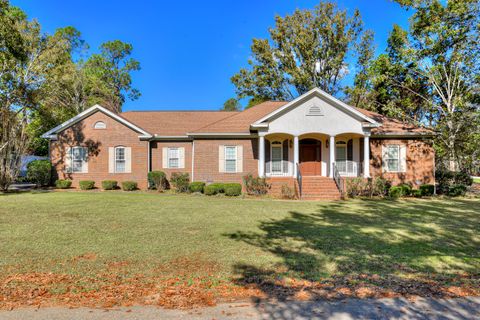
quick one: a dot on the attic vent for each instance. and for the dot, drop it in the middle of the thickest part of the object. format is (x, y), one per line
(100, 125)
(315, 110)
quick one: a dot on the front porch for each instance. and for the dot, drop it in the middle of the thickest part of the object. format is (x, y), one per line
(312, 154)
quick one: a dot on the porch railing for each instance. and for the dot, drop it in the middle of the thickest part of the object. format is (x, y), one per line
(299, 181)
(338, 179)
(349, 168)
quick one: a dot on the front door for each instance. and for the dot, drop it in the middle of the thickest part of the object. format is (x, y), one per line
(310, 155)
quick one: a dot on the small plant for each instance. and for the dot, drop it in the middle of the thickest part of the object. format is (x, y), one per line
(196, 186)
(180, 181)
(87, 184)
(39, 172)
(210, 190)
(233, 189)
(287, 192)
(395, 192)
(63, 184)
(427, 190)
(417, 193)
(255, 185)
(380, 187)
(157, 180)
(457, 190)
(355, 187)
(219, 187)
(129, 185)
(109, 184)
(406, 189)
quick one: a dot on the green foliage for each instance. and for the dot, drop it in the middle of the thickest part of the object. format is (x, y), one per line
(255, 185)
(406, 189)
(232, 189)
(129, 186)
(417, 193)
(287, 192)
(232, 104)
(109, 184)
(63, 184)
(157, 180)
(180, 181)
(396, 192)
(427, 190)
(457, 190)
(196, 186)
(446, 179)
(210, 190)
(39, 172)
(283, 67)
(87, 184)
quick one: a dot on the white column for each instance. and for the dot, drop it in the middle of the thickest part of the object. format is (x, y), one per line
(366, 156)
(296, 155)
(331, 158)
(261, 156)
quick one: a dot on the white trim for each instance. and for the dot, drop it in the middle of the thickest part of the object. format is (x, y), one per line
(221, 134)
(280, 145)
(51, 133)
(115, 159)
(322, 93)
(225, 158)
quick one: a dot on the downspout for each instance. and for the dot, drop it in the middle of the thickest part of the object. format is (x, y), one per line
(193, 159)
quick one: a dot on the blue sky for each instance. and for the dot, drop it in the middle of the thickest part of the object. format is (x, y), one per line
(188, 50)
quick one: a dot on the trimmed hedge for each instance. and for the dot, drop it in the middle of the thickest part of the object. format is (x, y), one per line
(39, 172)
(406, 189)
(157, 180)
(129, 185)
(417, 193)
(109, 184)
(196, 186)
(210, 190)
(87, 184)
(63, 184)
(180, 181)
(427, 190)
(457, 190)
(395, 192)
(232, 189)
(446, 180)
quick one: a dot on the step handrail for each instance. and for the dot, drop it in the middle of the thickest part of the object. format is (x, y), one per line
(338, 179)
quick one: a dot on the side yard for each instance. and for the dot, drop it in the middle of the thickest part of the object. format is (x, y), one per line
(179, 251)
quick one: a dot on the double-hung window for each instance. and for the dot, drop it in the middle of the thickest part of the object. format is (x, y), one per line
(173, 157)
(276, 157)
(120, 159)
(230, 159)
(79, 158)
(392, 158)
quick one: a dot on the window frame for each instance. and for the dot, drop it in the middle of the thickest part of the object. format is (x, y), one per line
(169, 158)
(82, 160)
(227, 159)
(398, 159)
(276, 144)
(341, 144)
(116, 160)
(101, 125)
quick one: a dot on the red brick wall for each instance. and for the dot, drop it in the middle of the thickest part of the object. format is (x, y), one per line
(420, 161)
(98, 141)
(206, 160)
(157, 156)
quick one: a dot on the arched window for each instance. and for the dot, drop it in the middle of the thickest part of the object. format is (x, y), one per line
(277, 156)
(100, 125)
(119, 159)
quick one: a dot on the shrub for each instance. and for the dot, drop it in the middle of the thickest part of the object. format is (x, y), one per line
(367, 187)
(255, 185)
(109, 185)
(157, 180)
(447, 179)
(380, 187)
(355, 187)
(129, 185)
(287, 192)
(427, 190)
(63, 184)
(417, 193)
(406, 189)
(180, 181)
(86, 184)
(457, 190)
(210, 190)
(39, 172)
(233, 189)
(218, 186)
(395, 192)
(196, 186)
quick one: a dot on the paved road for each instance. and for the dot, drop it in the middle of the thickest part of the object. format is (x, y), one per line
(467, 308)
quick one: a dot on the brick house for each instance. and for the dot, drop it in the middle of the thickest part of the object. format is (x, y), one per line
(308, 143)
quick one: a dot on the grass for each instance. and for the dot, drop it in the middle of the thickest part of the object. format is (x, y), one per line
(476, 180)
(82, 233)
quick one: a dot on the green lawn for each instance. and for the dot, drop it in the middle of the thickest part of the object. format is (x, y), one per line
(476, 180)
(85, 233)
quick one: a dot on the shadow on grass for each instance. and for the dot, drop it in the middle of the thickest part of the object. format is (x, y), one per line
(368, 249)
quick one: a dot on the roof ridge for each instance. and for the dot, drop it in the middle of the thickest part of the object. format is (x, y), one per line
(129, 111)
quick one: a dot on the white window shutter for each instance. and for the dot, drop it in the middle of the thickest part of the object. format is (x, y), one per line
(239, 158)
(111, 160)
(181, 158)
(164, 157)
(384, 158)
(403, 158)
(68, 159)
(221, 158)
(85, 160)
(128, 160)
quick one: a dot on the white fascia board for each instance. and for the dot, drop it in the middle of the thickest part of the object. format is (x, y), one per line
(160, 137)
(88, 112)
(404, 134)
(323, 94)
(220, 134)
